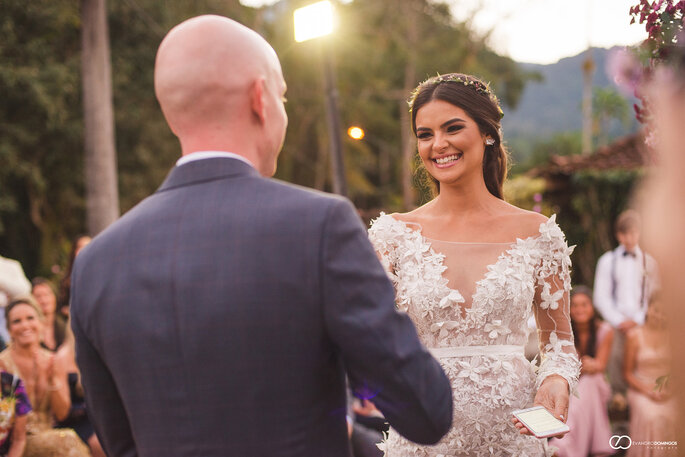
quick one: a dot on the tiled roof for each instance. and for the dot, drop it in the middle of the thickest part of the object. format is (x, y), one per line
(626, 153)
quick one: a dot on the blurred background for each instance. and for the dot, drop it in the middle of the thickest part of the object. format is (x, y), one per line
(575, 146)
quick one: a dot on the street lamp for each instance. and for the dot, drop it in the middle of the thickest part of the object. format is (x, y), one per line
(356, 133)
(314, 21)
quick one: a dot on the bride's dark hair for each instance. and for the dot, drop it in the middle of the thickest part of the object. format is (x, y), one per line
(477, 100)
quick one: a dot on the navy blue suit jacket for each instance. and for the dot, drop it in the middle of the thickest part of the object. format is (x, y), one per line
(219, 316)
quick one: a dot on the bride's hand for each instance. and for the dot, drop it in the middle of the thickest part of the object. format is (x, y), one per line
(553, 395)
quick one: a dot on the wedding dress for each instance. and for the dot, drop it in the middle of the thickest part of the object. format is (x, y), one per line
(470, 303)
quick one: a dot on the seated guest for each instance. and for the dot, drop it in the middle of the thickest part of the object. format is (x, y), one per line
(78, 416)
(54, 324)
(587, 414)
(652, 408)
(46, 383)
(14, 408)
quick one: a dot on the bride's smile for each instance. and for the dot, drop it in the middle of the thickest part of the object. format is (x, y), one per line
(448, 161)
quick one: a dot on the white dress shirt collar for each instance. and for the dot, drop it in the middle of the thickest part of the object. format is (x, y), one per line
(637, 251)
(201, 155)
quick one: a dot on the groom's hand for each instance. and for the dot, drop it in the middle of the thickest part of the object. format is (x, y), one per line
(553, 395)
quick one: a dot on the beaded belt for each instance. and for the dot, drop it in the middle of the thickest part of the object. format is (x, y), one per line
(461, 351)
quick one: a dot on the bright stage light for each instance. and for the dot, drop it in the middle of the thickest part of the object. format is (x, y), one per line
(313, 21)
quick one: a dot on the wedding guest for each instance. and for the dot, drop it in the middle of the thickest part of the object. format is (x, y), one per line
(65, 285)
(54, 328)
(624, 279)
(46, 383)
(652, 407)
(587, 413)
(14, 409)
(77, 418)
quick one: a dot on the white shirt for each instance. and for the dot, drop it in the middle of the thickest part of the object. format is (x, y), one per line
(201, 155)
(619, 282)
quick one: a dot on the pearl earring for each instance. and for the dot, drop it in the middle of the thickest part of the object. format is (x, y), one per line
(489, 141)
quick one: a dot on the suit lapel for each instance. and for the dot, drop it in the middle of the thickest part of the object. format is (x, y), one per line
(205, 170)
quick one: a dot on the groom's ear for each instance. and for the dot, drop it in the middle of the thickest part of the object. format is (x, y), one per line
(257, 100)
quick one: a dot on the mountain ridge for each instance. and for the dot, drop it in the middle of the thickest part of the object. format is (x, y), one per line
(553, 105)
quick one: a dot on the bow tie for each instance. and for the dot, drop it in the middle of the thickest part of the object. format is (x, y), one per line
(631, 254)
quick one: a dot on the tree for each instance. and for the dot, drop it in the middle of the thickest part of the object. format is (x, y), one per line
(608, 106)
(560, 144)
(42, 203)
(41, 184)
(102, 195)
(384, 49)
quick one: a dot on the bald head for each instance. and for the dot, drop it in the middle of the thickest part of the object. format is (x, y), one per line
(205, 76)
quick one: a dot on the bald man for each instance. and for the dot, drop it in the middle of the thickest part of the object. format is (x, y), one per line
(219, 316)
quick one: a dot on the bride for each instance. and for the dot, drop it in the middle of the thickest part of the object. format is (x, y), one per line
(470, 269)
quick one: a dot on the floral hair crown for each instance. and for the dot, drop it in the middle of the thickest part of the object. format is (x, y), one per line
(477, 85)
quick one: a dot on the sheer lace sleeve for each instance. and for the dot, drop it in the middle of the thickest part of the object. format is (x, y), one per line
(552, 307)
(384, 234)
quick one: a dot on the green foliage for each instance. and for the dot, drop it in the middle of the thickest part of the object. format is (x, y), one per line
(608, 106)
(587, 208)
(41, 141)
(40, 129)
(526, 192)
(540, 151)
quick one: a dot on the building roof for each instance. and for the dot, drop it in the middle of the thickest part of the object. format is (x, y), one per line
(626, 153)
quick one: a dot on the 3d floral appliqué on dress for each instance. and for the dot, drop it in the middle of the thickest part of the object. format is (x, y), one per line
(470, 303)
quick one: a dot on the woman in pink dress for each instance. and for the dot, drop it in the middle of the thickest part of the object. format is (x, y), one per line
(587, 413)
(652, 409)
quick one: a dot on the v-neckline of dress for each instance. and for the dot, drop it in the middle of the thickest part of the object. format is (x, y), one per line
(426, 245)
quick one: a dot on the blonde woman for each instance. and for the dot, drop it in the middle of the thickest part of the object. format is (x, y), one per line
(45, 380)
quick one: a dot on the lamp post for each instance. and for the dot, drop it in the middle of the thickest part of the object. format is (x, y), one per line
(357, 133)
(314, 21)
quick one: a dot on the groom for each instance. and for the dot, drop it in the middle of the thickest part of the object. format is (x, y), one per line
(219, 316)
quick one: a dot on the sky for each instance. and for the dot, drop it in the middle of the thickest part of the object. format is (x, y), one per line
(544, 31)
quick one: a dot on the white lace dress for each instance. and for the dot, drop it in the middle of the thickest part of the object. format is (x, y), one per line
(470, 303)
